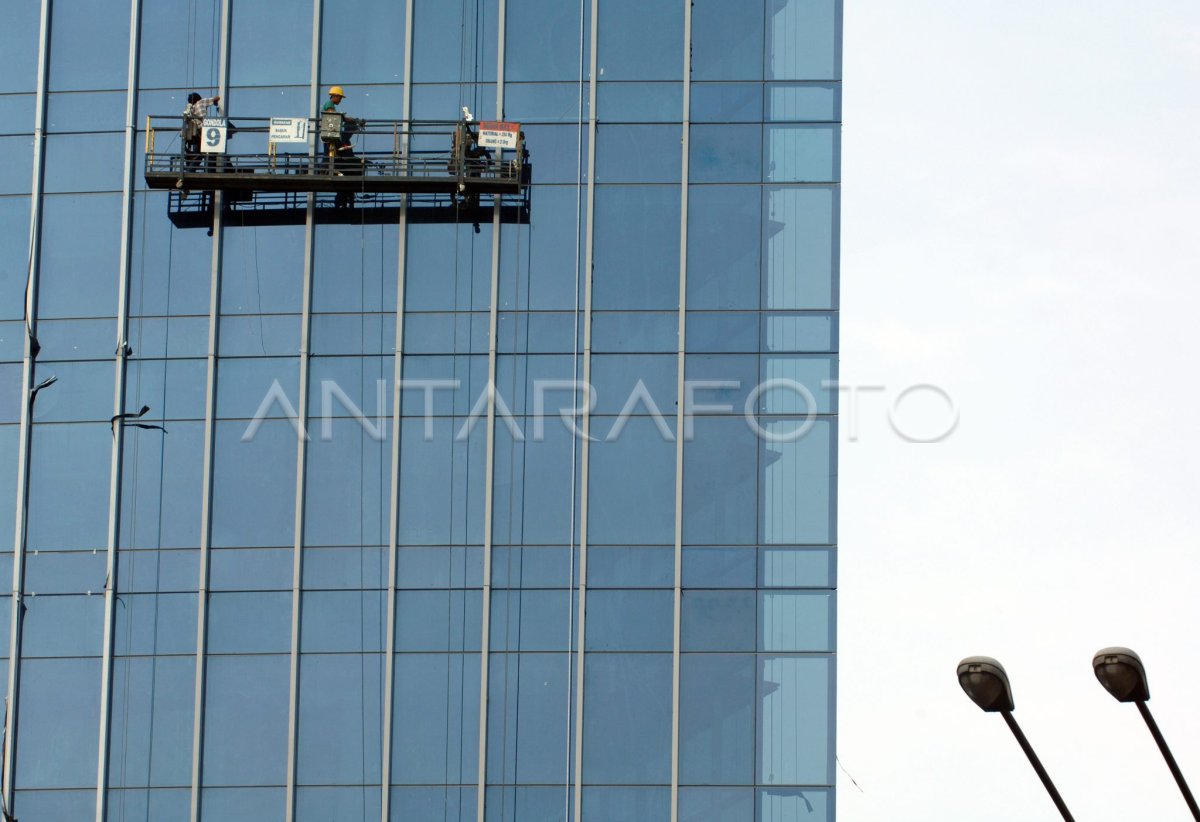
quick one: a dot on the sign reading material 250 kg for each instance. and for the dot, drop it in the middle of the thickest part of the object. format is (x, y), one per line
(212, 135)
(498, 135)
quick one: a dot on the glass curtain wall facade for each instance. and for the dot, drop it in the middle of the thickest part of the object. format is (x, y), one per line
(329, 574)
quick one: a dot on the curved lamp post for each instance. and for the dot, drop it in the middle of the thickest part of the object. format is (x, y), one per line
(1122, 674)
(986, 683)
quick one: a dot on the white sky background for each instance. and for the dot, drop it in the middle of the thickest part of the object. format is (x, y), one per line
(1021, 226)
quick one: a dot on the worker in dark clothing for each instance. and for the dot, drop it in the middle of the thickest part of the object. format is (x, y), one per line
(193, 122)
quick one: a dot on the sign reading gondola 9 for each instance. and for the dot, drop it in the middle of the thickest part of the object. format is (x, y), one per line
(212, 135)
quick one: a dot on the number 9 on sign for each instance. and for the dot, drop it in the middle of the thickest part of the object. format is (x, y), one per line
(213, 141)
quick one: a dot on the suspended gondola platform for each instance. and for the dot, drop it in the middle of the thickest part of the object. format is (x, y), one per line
(436, 171)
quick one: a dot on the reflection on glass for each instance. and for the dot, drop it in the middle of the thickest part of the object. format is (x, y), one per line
(794, 723)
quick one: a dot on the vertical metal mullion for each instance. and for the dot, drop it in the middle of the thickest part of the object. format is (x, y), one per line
(490, 458)
(210, 412)
(121, 357)
(584, 450)
(680, 409)
(389, 654)
(26, 423)
(302, 439)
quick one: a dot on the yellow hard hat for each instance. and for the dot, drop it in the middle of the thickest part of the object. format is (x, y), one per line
(336, 90)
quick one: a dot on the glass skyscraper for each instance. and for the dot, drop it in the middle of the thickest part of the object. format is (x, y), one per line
(328, 574)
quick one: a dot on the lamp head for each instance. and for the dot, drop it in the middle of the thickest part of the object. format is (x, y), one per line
(985, 681)
(1122, 674)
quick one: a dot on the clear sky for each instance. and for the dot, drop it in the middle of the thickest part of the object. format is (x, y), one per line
(1021, 227)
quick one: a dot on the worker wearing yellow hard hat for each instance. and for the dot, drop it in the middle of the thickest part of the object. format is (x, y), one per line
(336, 91)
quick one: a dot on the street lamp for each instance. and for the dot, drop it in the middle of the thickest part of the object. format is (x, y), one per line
(986, 683)
(1122, 674)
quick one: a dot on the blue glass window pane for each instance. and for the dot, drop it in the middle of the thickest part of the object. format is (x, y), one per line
(718, 620)
(629, 620)
(440, 567)
(722, 266)
(77, 340)
(626, 804)
(249, 623)
(549, 332)
(435, 506)
(245, 721)
(725, 154)
(69, 462)
(817, 375)
(800, 248)
(144, 570)
(16, 175)
(256, 335)
(635, 332)
(271, 44)
(257, 569)
(323, 804)
(727, 103)
(83, 392)
(250, 101)
(802, 40)
(262, 270)
(452, 804)
(636, 248)
(254, 491)
(341, 706)
(10, 393)
(638, 154)
(720, 483)
(174, 389)
(438, 620)
(810, 102)
(719, 568)
(616, 377)
(346, 501)
(80, 248)
(57, 625)
(449, 268)
(76, 26)
(160, 62)
(353, 333)
(539, 102)
(242, 805)
(19, 47)
(716, 804)
(795, 721)
(8, 484)
(649, 567)
(161, 479)
(794, 805)
(641, 40)
(632, 486)
(797, 484)
(93, 111)
(555, 155)
(170, 270)
(727, 40)
(444, 101)
(802, 153)
(345, 568)
(546, 279)
(640, 102)
(531, 621)
(54, 804)
(244, 386)
(152, 713)
(17, 113)
(722, 331)
(800, 332)
(445, 332)
(796, 621)
(627, 708)
(454, 43)
(58, 714)
(797, 568)
(535, 482)
(542, 40)
(435, 722)
(528, 718)
(534, 566)
(68, 572)
(716, 719)
(354, 267)
(362, 42)
(12, 340)
(357, 388)
(156, 624)
(341, 621)
(14, 268)
(166, 804)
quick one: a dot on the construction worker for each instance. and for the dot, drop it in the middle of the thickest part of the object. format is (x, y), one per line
(339, 148)
(193, 121)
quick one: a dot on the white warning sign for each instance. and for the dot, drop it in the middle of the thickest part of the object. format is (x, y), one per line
(493, 134)
(289, 129)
